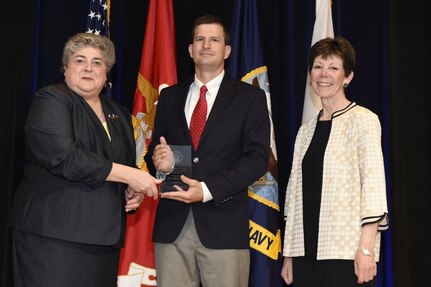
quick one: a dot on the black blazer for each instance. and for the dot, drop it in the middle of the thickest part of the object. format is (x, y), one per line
(63, 193)
(233, 152)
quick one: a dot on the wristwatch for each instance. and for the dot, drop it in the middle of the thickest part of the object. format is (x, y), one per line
(161, 175)
(366, 252)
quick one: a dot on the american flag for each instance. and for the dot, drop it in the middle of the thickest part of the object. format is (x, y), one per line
(98, 17)
(98, 23)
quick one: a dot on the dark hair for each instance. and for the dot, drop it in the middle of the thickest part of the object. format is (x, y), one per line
(339, 47)
(211, 19)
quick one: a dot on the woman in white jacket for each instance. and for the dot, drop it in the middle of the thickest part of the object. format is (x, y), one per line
(336, 195)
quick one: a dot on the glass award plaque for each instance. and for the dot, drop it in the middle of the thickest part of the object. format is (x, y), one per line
(183, 166)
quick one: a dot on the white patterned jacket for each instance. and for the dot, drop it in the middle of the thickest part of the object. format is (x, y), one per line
(353, 186)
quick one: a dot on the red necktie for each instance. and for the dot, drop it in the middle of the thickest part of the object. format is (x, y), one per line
(199, 118)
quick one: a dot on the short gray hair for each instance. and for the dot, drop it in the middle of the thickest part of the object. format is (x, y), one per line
(83, 40)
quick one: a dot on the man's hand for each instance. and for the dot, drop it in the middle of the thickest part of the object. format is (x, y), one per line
(193, 194)
(163, 157)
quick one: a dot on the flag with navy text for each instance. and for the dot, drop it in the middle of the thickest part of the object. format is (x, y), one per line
(247, 63)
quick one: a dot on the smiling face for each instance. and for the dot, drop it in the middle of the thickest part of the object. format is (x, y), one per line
(209, 49)
(327, 77)
(85, 72)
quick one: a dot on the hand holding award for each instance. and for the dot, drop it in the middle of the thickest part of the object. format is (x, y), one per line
(171, 162)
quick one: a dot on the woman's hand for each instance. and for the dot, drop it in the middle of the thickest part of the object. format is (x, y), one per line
(133, 199)
(365, 267)
(365, 264)
(139, 181)
(142, 182)
(286, 270)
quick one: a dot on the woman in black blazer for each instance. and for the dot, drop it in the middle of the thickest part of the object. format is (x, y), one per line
(69, 212)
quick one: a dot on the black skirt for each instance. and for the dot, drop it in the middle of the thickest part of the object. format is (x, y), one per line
(309, 272)
(40, 261)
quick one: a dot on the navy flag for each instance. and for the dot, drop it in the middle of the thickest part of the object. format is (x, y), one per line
(246, 62)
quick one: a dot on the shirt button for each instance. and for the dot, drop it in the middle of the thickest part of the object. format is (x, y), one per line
(196, 160)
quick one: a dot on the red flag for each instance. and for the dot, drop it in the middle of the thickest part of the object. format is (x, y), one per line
(157, 70)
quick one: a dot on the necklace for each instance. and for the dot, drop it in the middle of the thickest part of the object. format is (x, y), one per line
(101, 116)
(95, 107)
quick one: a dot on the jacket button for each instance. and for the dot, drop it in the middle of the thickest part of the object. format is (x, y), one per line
(196, 160)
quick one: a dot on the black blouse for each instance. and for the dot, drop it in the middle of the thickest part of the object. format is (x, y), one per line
(312, 173)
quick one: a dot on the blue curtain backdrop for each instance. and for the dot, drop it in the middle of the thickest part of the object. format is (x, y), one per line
(391, 79)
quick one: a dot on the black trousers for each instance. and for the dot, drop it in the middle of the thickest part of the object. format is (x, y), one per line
(46, 262)
(309, 272)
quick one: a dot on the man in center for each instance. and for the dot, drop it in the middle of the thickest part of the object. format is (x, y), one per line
(201, 234)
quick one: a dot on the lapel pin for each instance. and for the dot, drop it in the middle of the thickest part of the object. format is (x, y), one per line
(113, 116)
